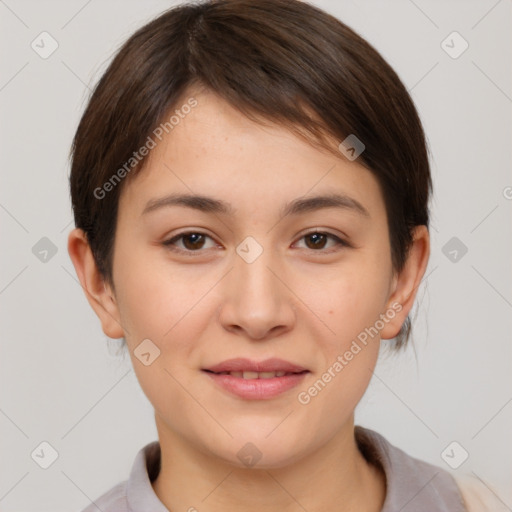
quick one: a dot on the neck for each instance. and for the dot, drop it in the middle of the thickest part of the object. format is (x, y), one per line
(334, 477)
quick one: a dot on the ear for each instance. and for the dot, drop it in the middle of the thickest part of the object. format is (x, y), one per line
(98, 293)
(405, 284)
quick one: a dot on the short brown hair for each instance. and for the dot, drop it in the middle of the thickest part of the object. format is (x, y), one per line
(283, 61)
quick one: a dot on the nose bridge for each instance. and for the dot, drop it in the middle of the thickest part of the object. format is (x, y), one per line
(252, 276)
(256, 301)
(256, 284)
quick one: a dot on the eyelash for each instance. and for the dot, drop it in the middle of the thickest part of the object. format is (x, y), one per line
(169, 243)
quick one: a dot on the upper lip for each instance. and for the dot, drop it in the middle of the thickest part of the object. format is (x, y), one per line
(241, 364)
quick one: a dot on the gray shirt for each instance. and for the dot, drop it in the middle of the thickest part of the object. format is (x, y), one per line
(412, 485)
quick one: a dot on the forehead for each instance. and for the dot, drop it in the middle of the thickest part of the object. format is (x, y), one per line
(217, 151)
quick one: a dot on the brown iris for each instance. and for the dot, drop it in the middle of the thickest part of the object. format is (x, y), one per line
(319, 240)
(193, 240)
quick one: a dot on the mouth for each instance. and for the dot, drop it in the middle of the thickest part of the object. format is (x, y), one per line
(248, 375)
(256, 380)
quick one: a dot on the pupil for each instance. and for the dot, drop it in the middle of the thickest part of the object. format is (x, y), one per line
(317, 238)
(195, 237)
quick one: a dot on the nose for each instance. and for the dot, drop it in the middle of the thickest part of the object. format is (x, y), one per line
(256, 300)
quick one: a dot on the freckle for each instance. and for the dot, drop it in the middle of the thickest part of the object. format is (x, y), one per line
(330, 312)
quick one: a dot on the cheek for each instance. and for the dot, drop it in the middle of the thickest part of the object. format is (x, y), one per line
(171, 306)
(164, 309)
(350, 304)
(152, 297)
(349, 298)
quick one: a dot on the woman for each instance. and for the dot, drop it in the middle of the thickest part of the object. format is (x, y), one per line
(250, 183)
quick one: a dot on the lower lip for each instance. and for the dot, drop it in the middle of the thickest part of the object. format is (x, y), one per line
(257, 389)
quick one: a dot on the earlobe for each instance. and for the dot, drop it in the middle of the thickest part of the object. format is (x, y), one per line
(98, 293)
(406, 283)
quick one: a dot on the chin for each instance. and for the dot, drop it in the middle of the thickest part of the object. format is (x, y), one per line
(254, 450)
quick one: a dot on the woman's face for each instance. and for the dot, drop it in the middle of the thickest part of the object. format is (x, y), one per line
(256, 279)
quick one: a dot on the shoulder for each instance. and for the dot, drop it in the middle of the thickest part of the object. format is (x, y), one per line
(135, 493)
(114, 500)
(479, 496)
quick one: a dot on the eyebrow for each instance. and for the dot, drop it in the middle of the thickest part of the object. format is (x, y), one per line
(298, 206)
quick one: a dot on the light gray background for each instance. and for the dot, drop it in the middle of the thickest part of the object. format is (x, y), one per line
(61, 381)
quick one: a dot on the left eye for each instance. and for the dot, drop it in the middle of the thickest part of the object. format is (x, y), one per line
(318, 240)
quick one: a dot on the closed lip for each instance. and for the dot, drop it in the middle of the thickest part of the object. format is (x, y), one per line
(241, 364)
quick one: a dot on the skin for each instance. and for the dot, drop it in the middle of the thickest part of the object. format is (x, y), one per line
(296, 301)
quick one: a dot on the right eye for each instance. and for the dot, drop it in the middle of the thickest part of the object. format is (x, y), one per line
(192, 242)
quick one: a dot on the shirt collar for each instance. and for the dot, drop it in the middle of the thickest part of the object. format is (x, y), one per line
(412, 485)
(139, 491)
